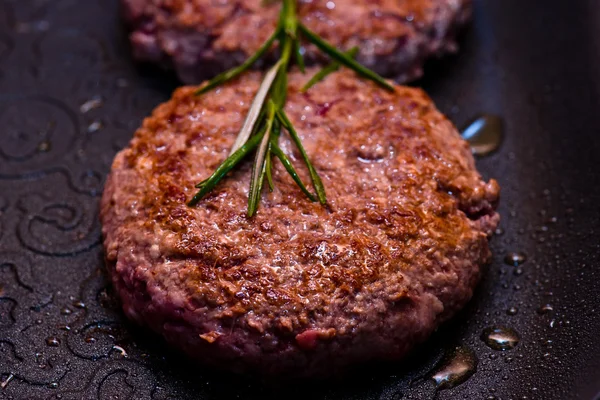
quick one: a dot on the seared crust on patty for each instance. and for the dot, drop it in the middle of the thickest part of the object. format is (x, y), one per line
(300, 287)
(200, 38)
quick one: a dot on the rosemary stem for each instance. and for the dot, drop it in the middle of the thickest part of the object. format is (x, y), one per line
(256, 107)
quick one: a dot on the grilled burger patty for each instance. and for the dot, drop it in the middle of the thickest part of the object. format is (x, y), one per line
(200, 38)
(299, 288)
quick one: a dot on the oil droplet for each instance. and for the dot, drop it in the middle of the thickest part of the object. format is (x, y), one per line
(44, 146)
(90, 339)
(456, 368)
(91, 104)
(545, 309)
(53, 385)
(53, 341)
(66, 311)
(512, 311)
(500, 338)
(120, 350)
(5, 383)
(514, 259)
(484, 134)
(79, 304)
(94, 127)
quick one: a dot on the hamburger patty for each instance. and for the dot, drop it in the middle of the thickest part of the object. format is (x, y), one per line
(200, 38)
(299, 288)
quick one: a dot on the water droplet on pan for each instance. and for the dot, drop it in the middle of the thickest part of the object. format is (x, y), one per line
(44, 146)
(121, 351)
(515, 259)
(512, 311)
(455, 368)
(484, 134)
(500, 338)
(5, 383)
(90, 105)
(79, 304)
(94, 126)
(545, 309)
(53, 341)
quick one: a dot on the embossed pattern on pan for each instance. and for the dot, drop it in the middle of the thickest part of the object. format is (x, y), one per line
(61, 332)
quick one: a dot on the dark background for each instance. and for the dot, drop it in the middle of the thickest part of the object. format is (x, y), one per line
(537, 64)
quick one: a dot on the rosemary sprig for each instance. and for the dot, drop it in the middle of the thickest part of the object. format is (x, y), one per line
(266, 117)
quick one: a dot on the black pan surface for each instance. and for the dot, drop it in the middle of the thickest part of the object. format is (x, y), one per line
(70, 98)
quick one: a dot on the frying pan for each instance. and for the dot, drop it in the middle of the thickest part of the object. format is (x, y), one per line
(71, 97)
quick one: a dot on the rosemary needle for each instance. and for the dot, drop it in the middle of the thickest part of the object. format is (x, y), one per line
(342, 58)
(329, 69)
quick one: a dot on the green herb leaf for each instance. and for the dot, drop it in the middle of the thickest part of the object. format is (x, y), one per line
(258, 169)
(299, 56)
(258, 175)
(275, 133)
(316, 180)
(234, 72)
(343, 58)
(323, 72)
(292, 171)
(289, 19)
(230, 162)
(269, 167)
(279, 89)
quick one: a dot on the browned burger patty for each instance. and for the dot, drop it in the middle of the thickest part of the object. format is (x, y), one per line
(299, 288)
(200, 38)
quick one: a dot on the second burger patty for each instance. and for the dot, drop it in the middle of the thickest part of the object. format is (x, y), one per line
(201, 38)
